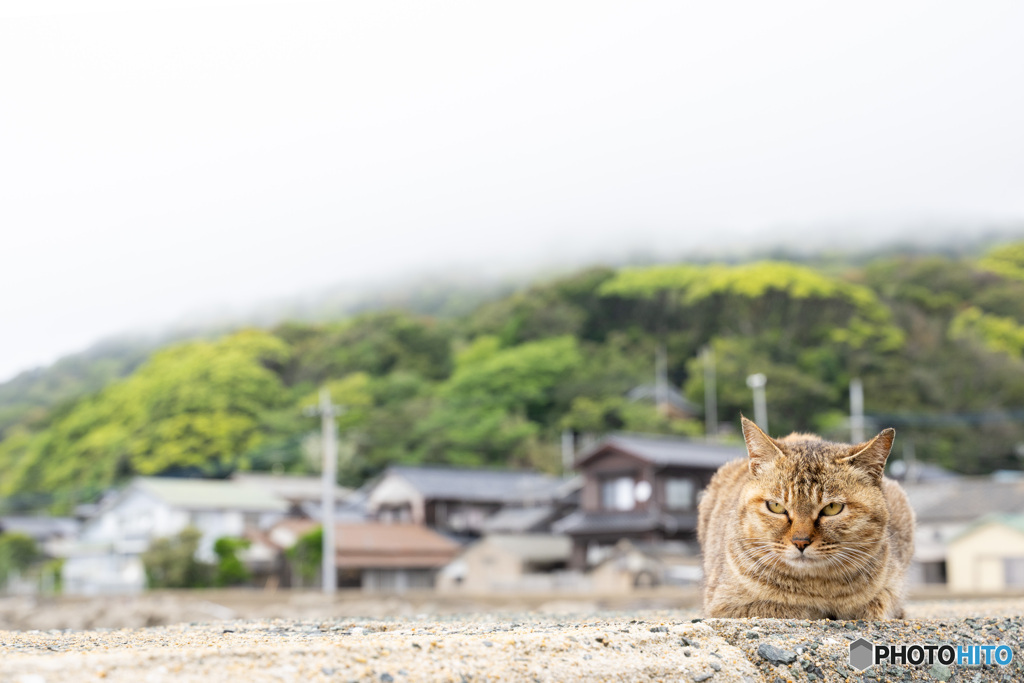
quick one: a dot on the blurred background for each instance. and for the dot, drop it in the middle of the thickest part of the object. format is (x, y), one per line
(541, 257)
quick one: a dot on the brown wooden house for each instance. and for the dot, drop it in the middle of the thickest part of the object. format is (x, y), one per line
(641, 488)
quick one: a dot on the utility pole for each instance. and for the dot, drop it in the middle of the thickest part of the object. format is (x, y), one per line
(329, 437)
(707, 355)
(660, 378)
(568, 451)
(757, 382)
(856, 410)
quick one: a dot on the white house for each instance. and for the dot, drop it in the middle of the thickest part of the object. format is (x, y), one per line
(107, 558)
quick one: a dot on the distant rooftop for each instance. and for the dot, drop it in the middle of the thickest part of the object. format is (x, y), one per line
(666, 450)
(211, 494)
(292, 488)
(518, 519)
(1013, 521)
(39, 528)
(482, 485)
(964, 499)
(650, 392)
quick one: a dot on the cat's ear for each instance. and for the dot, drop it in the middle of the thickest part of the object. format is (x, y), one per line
(761, 448)
(871, 456)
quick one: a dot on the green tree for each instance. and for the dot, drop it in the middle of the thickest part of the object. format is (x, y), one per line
(196, 406)
(171, 562)
(18, 553)
(307, 555)
(230, 571)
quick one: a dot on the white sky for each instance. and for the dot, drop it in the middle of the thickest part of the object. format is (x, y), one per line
(161, 157)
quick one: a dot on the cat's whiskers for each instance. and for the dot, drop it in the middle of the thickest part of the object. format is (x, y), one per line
(843, 573)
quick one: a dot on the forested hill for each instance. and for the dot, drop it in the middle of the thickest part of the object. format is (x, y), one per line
(937, 341)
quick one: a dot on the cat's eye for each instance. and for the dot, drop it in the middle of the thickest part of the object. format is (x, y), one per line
(832, 509)
(777, 508)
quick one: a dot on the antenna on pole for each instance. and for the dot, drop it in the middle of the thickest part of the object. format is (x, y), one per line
(329, 436)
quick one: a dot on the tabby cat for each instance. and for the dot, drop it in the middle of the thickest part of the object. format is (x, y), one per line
(805, 529)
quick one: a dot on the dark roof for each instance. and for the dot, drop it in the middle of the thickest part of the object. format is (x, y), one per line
(666, 450)
(479, 485)
(519, 519)
(616, 522)
(965, 499)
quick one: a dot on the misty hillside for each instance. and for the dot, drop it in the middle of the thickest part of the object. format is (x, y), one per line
(938, 341)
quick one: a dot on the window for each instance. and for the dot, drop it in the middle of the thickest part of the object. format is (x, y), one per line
(933, 572)
(617, 493)
(679, 493)
(1014, 567)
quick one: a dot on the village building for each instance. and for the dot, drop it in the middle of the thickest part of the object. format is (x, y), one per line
(944, 509)
(988, 556)
(107, 556)
(641, 488)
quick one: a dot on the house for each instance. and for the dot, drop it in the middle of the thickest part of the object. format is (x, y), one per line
(640, 487)
(509, 563)
(945, 508)
(376, 557)
(988, 556)
(457, 501)
(107, 556)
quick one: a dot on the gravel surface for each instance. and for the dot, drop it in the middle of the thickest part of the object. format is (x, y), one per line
(669, 645)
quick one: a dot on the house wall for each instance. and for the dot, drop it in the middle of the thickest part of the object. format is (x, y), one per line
(397, 580)
(609, 464)
(488, 567)
(976, 561)
(102, 573)
(613, 463)
(393, 493)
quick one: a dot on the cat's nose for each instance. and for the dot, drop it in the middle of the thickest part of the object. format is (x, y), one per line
(801, 542)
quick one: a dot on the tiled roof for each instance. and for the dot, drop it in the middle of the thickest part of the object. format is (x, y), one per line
(649, 392)
(667, 450)
(1015, 522)
(479, 485)
(518, 519)
(614, 522)
(965, 499)
(211, 494)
